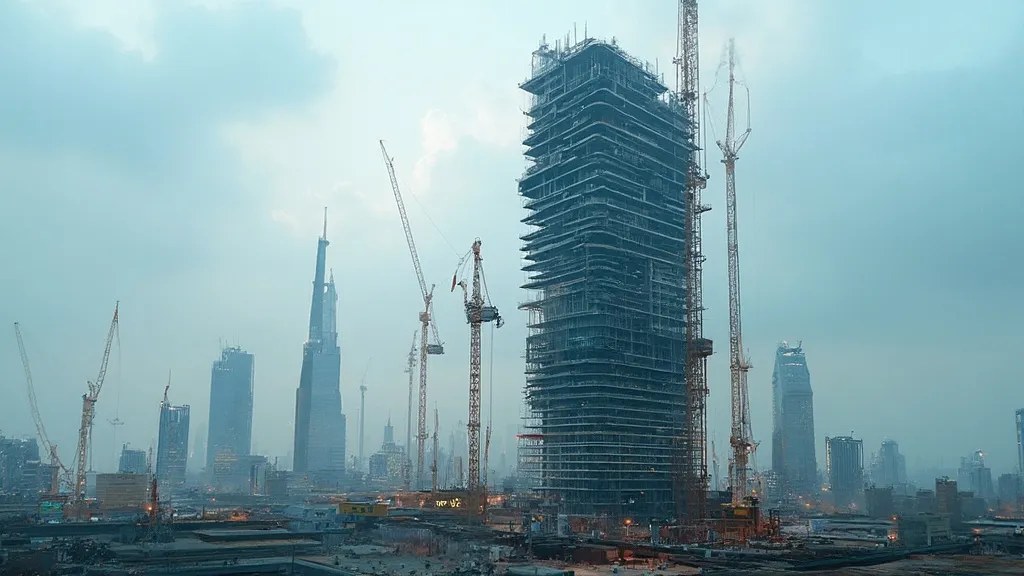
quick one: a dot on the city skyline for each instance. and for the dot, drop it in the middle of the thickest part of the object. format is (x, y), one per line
(836, 257)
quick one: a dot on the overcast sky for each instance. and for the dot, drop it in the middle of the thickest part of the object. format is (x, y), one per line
(177, 157)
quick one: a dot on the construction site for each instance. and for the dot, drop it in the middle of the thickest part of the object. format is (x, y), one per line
(614, 464)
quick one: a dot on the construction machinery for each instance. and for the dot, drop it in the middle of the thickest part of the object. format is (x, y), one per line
(77, 500)
(741, 438)
(362, 415)
(410, 367)
(433, 467)
(57, 467)
(478, 311)
(426, 321)
(691, 476)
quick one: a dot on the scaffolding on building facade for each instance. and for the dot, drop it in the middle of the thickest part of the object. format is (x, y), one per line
(606, 267)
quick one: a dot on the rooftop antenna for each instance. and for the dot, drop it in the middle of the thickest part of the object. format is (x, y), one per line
(325, 223)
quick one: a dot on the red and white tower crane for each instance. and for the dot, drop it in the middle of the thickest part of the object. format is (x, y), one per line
(741, 438)
(426, 321)
(478, 311)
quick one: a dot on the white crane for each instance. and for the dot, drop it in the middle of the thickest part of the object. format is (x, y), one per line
(741, 438)
(426, 321)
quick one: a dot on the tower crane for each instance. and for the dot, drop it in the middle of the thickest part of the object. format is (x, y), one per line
(692, 472)
(433, 466)
(426, 321)
(362, 414)
(478, 311)
(51, 448)
(88, 415)
(741, 438)
(409, 369)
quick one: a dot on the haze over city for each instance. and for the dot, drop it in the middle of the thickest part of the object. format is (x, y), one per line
(177, 158)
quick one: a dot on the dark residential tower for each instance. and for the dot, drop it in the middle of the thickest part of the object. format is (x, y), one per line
(231, 392)
(172, 446)
(605, 259)
(793, 453)
(319, 422)
(844, 466)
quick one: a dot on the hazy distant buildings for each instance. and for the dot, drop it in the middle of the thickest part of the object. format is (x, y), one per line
(793, 451)
(1008, 490)
(20, 468)
(319, 422)
(230, 423)
(132, 461)
(844, 466)
(386, 464)
(889, 467)
(172, 446)
(974, 476)
(607, 305)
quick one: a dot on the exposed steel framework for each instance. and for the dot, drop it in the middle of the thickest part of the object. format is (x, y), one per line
(410, 368)
(477, 312)
(692, 480)
(89, 399)
(57, 467)
(741, 438)
(426, 320)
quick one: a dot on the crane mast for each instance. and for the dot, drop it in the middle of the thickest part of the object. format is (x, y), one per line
(741, 438)
(362, 416)
(426, 322)
(88, 415)
(692, 477)
(433, 466)
(410, 368)
(477, 312)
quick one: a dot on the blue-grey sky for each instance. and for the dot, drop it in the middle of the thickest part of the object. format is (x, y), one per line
(176, 156)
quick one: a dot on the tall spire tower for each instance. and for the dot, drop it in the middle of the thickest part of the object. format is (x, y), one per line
(319, 422)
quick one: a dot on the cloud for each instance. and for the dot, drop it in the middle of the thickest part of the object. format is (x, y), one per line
(489, 119)
(115, 182)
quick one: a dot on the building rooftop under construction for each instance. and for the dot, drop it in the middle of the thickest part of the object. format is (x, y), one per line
(605, 259)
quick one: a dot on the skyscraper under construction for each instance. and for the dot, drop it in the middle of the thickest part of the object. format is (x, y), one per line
(319, 422)
(606, 266)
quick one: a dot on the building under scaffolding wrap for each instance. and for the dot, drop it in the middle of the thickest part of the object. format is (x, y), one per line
(606, 277)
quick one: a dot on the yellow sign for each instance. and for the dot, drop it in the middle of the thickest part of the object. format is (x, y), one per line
(450, 503)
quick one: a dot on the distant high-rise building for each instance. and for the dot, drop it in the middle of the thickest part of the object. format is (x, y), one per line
(889, 468)
(947, 499)
(793, 451)
(844, 463)
(1009, 492)
(172, 446)
(20, 468)
(609, 148)
(132, 461)
(386, 464)
(1020, 442)
(974, 476)
(230, 428)
(319, 421)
